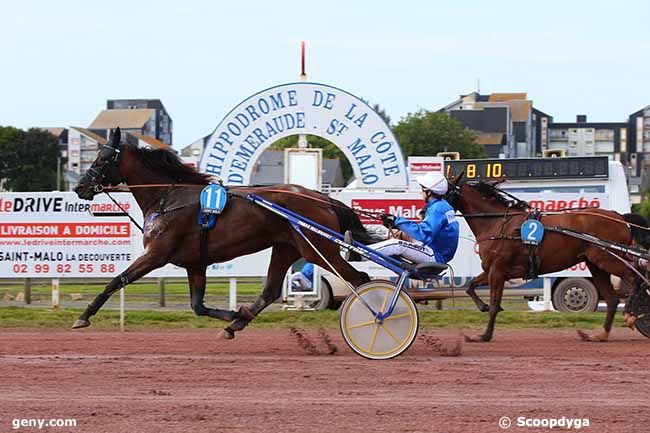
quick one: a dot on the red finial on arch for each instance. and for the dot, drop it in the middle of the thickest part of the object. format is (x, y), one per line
(303, 75)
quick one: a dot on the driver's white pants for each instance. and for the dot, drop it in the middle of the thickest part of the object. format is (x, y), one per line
(414, 252)
(303, 283)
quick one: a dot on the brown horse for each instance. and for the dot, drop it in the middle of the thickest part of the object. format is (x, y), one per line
(173, 235)
(496, 217)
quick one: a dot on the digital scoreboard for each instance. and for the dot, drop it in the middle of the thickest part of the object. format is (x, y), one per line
(590, 167)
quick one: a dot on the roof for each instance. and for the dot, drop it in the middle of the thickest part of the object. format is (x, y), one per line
(640, 112)
(98, 138)
(503, 97)
(520, 110)
(151, 141)
(487, 138)
(540, 112)
(125, 119)
(54, 131)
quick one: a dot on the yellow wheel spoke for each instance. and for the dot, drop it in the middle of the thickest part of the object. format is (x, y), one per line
(374, 337)
(383, 304)
(397, 340)
(398, 316)
(359, 325)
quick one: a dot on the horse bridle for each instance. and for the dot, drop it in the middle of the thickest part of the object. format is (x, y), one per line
(453, 194)
(109, 170)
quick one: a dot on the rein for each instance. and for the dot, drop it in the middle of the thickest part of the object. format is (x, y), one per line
(377, 215)
(123, 210)
(161, 210)
(370, 214)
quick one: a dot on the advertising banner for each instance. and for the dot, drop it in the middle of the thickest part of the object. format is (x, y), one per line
(57, 235)
(466, 262)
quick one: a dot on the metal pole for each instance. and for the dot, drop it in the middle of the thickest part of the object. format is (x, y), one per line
(55, 293)
(27, 289)
(302, 138)
(161, 288)
(548, 305)
(122, 309)
(232, 294)
(58, 173)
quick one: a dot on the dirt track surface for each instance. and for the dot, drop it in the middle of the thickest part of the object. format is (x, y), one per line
(192, 381)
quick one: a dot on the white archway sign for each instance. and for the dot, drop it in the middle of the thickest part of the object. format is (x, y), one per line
(305, 108)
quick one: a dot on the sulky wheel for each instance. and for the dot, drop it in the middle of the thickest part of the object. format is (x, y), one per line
(639, 306)
(370, 338)
(642, 322)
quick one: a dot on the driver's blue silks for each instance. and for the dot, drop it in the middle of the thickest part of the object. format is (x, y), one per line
(439, 229)
(308, 271)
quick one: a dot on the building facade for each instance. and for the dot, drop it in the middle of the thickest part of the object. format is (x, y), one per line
(141, 116)
(506, 123)
(83, 146)
(582, 138)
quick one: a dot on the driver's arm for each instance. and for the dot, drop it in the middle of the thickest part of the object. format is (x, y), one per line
(426, 230)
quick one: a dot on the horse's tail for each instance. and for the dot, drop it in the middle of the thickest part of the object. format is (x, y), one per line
(641, 236)
(349, 220)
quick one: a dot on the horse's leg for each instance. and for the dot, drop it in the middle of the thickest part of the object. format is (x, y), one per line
(477, 281)
(496, 280)
(196, 279)
(603, 283)
(330, 251)
(141, 267)
(632, 298)
(283, 256)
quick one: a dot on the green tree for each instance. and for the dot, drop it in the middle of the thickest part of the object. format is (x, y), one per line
(643, 208)
(10, 139)
(382, 113)
(329, 150)
(426, 133)
(31, 159)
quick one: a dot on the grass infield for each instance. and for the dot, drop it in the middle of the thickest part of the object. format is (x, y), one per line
(19, 317)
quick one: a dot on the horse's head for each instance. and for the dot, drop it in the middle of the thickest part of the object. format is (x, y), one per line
(453, 195)
(477, 196)
(105, 171)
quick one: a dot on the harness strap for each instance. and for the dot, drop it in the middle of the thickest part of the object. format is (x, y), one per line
(122, 209)
(534, 264)
(203, 246)
(605, 244)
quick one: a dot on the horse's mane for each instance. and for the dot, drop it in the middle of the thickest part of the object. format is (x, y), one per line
(490, 189)
(166, 162)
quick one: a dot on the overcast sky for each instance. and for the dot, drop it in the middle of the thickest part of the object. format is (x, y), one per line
(60, 60)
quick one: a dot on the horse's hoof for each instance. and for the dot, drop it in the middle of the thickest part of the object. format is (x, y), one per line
(600, 338)
(81, 323)
(228, 334)
(484, 308)
(477, 339)
(630, 321)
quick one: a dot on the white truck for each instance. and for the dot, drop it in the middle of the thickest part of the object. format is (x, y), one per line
(575, 183)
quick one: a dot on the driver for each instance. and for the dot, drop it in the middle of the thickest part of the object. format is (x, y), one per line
(435, 238)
